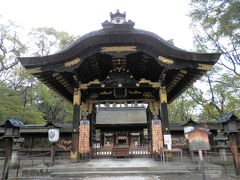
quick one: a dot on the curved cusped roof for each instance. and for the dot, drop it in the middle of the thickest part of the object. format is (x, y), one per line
(143, 54)
(144, 41)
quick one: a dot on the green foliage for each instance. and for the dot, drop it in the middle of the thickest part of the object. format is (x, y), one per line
(11, 106)
(10, 47)
(44, 41)
(182, 108)
(55, 108)
(21, 95)
(222, 15)
(217, 26)
(221, 95)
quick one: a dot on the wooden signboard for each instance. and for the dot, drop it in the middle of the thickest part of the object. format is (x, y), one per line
(198, 139)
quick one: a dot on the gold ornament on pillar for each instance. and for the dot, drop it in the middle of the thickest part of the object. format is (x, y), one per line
(163, 95)
(73, 155)
(76, 96)
(154, 108)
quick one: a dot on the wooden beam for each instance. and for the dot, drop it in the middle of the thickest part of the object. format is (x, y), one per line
(179, 76)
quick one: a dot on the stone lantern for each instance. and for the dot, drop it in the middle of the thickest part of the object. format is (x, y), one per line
(11, 132)
(12, 128)
(220, 141)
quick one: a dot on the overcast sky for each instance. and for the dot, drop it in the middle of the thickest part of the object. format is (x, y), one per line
(167, 18)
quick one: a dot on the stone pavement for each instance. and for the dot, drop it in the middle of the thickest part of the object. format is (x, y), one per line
(167, 177)
(145, 177)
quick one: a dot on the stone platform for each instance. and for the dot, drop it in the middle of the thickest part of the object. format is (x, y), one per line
(136, 167)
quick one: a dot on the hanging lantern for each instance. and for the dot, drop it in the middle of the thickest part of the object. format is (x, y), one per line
(53, 135)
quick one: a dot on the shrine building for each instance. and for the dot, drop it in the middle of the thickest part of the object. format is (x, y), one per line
(120, 81)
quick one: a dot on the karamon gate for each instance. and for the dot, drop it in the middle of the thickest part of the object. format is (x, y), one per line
(110, 73)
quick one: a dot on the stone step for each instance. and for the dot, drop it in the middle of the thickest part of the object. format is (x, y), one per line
(139, 168)
(116, 173)
(112, 166)
(116, 170)
(49, 171)
(81, 169)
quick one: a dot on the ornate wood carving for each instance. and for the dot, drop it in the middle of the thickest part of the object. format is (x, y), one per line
(154, 108)
(34, 70)
(205, 67)
(119, 49)
(165, 60)
(95, 82)
(72, 62)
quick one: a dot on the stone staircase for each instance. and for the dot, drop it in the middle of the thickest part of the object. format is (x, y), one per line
(110, 167)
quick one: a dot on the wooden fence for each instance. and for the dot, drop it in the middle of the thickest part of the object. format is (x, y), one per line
(133, 152)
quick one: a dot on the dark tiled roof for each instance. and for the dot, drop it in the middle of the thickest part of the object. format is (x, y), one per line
(189, 122)
(13, 122)
(37, 126)
(227, 117)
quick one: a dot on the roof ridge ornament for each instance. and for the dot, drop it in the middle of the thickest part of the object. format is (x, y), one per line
(118, 20)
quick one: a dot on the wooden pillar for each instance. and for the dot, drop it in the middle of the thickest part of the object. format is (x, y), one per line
(114, 139)
(164, 109)
(92, 119)
(75, 123)
(234, 149)
(141, 137)
(53, 152)
(129, 139)
(149, 121)
(30, 145)
(101, 138)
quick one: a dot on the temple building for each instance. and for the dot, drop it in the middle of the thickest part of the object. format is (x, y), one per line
(120, 81)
